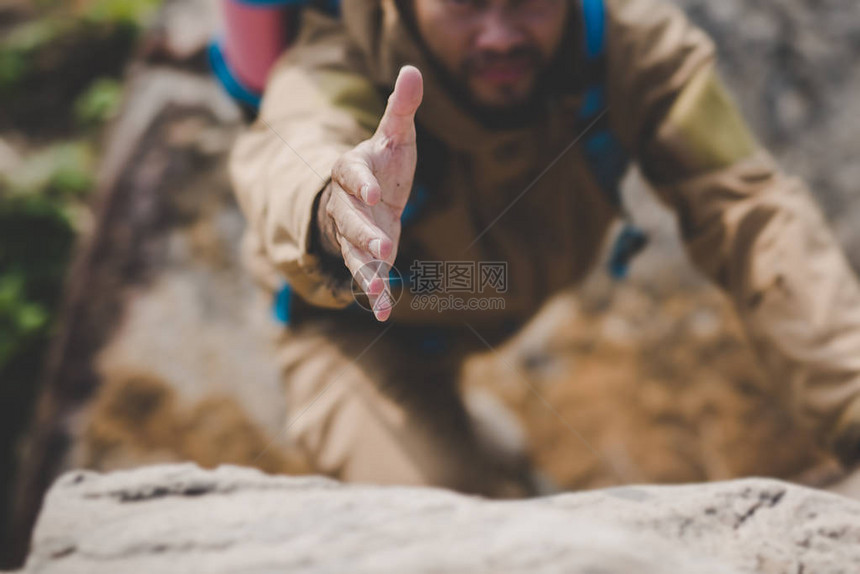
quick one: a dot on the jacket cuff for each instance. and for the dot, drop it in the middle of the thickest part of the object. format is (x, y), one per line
(846, 437)
(319, 279)
(330, 266)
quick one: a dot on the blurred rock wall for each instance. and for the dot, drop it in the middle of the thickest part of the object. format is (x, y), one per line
(793, 66)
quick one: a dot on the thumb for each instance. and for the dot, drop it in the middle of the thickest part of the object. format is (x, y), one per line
(398, 121)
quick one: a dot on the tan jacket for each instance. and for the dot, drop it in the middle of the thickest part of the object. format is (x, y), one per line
(752, 229)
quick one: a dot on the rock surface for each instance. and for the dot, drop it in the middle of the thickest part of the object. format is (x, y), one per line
(180, 518)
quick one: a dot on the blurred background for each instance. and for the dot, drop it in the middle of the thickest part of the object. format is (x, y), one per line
(129, 333)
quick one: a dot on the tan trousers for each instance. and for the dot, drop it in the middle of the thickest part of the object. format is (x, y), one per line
(381, 404)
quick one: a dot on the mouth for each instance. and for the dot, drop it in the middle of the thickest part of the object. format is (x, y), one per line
(505, 71)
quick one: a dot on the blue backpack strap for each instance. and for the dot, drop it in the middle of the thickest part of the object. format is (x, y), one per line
(333, 7)
(229, 81)
(282, 304)
(594, 21)
(607, 159)
(417, 201)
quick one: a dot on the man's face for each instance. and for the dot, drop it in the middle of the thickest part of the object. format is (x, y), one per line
(496, 49)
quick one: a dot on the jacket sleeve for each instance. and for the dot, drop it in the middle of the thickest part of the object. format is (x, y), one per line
(317, 105)
(752, 229)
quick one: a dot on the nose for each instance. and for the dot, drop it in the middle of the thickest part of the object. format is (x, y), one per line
(498, 32)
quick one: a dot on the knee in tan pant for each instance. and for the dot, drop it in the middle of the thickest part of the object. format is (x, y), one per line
(371, 410)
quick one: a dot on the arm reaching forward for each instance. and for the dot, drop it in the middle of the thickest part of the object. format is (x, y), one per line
(359, 212)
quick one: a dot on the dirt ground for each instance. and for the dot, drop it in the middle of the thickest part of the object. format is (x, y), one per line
(633, 389)
(643, 388)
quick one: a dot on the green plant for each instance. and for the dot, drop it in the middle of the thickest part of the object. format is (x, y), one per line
(62, 170)
(130, 11)
(20, 320)
(99, 103)
(18, 49)
(35, 242)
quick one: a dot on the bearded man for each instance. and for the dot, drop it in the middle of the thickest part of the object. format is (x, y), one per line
(507, 126)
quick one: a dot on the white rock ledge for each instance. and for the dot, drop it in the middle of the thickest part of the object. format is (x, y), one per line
(180, 518)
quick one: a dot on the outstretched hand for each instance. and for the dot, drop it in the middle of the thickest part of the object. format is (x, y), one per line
(370, 186)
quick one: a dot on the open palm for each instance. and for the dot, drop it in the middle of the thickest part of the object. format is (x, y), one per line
(370, 188)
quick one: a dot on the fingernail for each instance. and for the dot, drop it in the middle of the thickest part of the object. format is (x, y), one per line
(375, 247)
(383, 303)
(365, 190)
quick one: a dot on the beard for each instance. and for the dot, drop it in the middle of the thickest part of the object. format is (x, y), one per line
(515, 110)
(553, 75)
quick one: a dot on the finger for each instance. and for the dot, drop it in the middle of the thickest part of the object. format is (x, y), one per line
(363, 268)
(357, 227)
(357, 179)
(398, 121)
(383, 305)
(371, 276)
